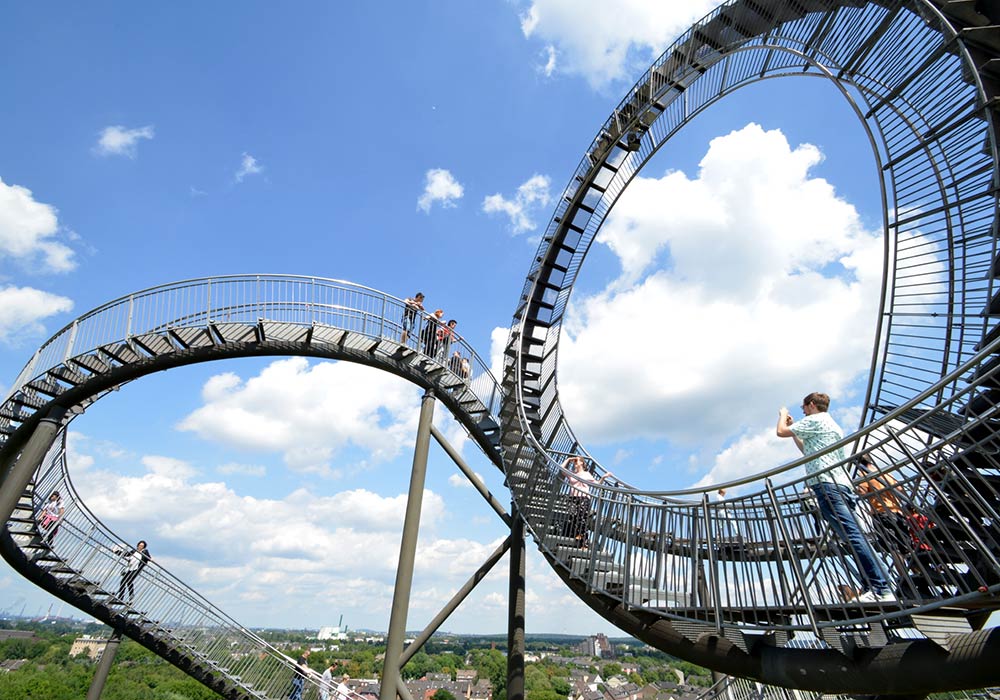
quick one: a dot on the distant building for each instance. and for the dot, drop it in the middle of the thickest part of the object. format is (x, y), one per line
(665, 690)
(92, 646)
(466, 674)
(332, 633)
(597, 645)
(481, 690)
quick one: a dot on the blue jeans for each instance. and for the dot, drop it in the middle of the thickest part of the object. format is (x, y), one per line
(835, 505)
(297, 683)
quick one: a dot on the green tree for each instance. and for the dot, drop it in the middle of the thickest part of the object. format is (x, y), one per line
(442, 694)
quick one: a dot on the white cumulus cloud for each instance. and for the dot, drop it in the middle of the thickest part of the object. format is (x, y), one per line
(121, 141)
(439, 186)
(28, 230)
(308, 413)
(459, 481)
(22, 310)
(607, 41)
(760, 286)
(248, 166)
(530, 195)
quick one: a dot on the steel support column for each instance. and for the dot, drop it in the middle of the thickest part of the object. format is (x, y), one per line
(17, 475)
(515, 610)
(407, 552)
(104, 666)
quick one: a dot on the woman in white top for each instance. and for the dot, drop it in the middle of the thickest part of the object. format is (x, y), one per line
(135, 561)
(51, 514)
(579, 499)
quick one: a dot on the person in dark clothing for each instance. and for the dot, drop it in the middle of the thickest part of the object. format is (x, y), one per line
(135, 561)
(299, 680)
(414, 305)
(429, 335)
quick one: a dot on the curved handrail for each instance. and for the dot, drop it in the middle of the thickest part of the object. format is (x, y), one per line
(126, 310)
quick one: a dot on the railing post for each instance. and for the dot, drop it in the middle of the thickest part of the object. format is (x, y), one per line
(131, 310)
(104, 666)
(381, 327)
(713, 573)
(407, 552)
(72, 339)
(792, 560)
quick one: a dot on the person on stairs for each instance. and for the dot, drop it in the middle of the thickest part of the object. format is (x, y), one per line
(135, 561)
(579, 481)
(834, 491)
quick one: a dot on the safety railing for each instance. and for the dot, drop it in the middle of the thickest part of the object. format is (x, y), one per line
(757, 560)
(764, 560)
(732, 688)
(249, 299)
(92, 561)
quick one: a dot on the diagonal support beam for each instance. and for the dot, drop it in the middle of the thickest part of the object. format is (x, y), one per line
(104, 666)
(471, 476)
(455, 601)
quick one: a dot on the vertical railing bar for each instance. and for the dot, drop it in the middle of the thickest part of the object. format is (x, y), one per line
(792, 560)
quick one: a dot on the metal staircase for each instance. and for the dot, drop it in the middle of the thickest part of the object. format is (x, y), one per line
(755, 588)
(193, 321)
(739, 587)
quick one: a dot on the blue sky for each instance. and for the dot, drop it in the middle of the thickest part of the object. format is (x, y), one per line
(419, 146)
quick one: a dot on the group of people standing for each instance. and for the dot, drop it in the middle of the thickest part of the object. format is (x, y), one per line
(435, 334)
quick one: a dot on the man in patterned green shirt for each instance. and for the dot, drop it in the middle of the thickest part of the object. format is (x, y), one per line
(833, 489)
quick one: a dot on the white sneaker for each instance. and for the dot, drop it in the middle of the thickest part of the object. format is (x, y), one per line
(872, 597)
(867, 597)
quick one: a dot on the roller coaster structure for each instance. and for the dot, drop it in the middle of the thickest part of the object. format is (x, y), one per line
(753, 591)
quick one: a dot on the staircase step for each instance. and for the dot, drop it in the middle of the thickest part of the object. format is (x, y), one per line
(67, 375)
(121, 353)
(288, 332)
(91, 363)
(28, 399)
(941, 624)
(327, 335)
(235, 332)
(45, 385)
(154, 344)
(191, 337)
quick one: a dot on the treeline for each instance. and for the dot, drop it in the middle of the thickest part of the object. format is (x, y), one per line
(51, 674)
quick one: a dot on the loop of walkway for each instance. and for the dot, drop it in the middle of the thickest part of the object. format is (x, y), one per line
(738, 588)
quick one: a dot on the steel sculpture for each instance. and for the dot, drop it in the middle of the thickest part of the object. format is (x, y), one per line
(753, 592)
